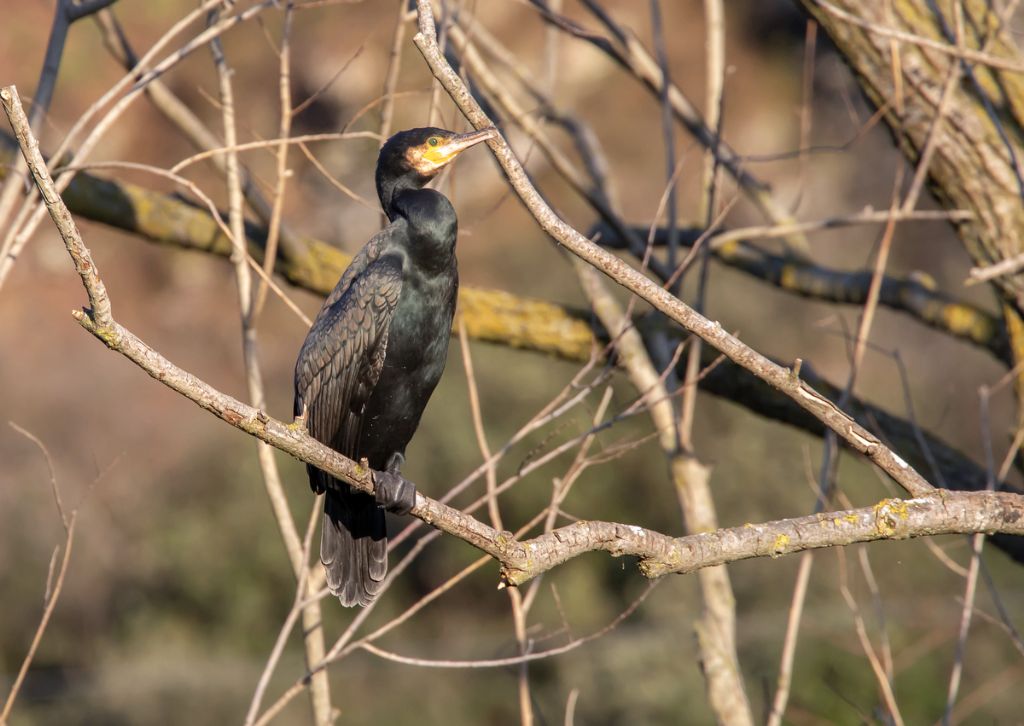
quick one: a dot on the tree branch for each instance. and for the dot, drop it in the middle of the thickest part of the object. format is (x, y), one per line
(856, 436)
(937, 513)
(914, 294)
(499, 317)
(502, 318)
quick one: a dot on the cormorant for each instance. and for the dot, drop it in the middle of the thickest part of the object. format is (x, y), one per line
(377, 350)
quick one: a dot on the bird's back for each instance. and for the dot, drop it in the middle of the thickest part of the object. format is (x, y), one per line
(336, 373)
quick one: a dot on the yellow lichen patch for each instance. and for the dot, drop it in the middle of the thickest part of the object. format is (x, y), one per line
(362, 468)
(888, 515)
(787, 278)
(524, 323)
(729, 249)
(780, 545)
(960, 319)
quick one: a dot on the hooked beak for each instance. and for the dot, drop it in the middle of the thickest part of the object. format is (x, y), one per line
(457, 144)
(445, 154)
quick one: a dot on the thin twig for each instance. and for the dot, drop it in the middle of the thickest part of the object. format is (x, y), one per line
(267, 143)
(49, 606)
(387, 109)
(53, 587)
(796, 610)
(862, 635)
(282, 171)
(515, 597)
(311, 616)
(64, 15)
(289, 622)
(519, 659)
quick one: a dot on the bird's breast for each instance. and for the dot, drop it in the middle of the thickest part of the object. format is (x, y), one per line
(414, 360)
(420, 329)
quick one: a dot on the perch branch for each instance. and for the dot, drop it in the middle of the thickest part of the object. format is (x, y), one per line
(499, 317)
(659, 554)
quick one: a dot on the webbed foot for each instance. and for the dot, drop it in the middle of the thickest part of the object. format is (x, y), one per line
(394, 492)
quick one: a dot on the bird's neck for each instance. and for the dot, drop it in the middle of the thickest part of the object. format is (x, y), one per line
(390, 187)
(430, 227)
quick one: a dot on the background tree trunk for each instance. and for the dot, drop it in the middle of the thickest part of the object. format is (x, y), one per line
(978, 152)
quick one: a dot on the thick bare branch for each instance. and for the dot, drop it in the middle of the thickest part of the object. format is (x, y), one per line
(914, 294)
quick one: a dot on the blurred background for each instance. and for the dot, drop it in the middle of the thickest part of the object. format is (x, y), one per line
(178, 581)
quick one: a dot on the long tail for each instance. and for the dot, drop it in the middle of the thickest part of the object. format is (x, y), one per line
(353, 546)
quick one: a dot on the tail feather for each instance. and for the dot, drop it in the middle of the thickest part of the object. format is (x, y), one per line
(353, 546)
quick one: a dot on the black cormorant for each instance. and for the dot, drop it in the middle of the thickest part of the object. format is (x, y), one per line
(376, 351)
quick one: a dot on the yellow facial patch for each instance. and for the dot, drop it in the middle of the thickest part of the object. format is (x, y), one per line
(428, 159)
(440, 154)
(438, 151)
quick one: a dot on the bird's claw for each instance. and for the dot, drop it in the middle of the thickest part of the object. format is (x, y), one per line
(394, 492)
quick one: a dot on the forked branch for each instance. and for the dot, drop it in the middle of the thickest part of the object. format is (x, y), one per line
(659, 554)
(785, 380)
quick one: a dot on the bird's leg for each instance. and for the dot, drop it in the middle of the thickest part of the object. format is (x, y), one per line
(395, 462)
(392, 490)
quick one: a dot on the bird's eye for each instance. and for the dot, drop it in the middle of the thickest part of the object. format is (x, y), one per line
(433, 141)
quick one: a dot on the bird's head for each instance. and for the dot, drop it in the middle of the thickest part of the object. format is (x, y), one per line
(425, 152)
(410, 159)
